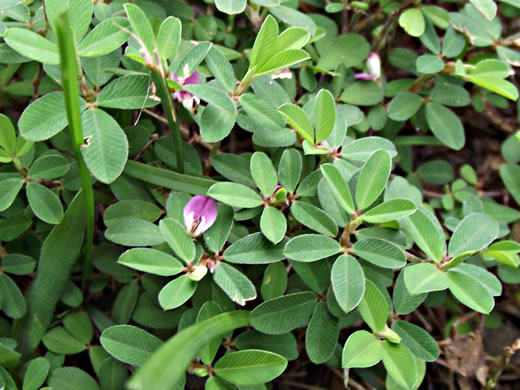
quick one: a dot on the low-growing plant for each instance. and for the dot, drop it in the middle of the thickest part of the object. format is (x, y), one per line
(227, 194)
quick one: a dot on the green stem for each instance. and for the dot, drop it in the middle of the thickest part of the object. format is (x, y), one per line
(169, 110)
(246, 81)
(70, 71)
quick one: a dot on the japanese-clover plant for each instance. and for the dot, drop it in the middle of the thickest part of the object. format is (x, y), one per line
(243, 194)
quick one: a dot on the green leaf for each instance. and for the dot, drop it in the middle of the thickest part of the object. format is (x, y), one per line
(250, 367)
(178, 239)
(362, 93)
(141, 27)
(338, 187)
(423, 278)
(274, 282)
(290, 169)
(70, 378)
(298, 120)
(315, 275)
(404, 105)
(112, 374)
(169, 37)
(151, 261)
(510, 174)
(429, 64)
(499, 86)
(473, 233)
(382, 253)
(125, 302)
(106, 37)
(13, 300)
(389, 211)
(294, 17)
(324, 114)
(234, 283)
(233, 167)
(79, 11)
(12, 227)
(314, 218)
(129, 344)
(436, 172)
(273, 224)
(445, 125)
(261, 113)
(231, 7)
(177, 292)
(362, 349)
(322, 334)
(49, 167)
(168, 179)
(488, 8)
(44, 203)
(488, 280)
(347, 49)
(134, 232)
(374, 307)
(221, 69)
(32, 45)
(7, 135)
(236, 195)
(283, 344)
(450, 95)
(263, 173)
(265, 41)
(9, 3)
(128, 93)
(420, 343)
(438, 15)
(45, 117)
(193, 59)
(468, 290)
(214, 96)
(254, 249)
(37, 371)
(283, 314)
(208, 352)
(404, 302)
(453, 43)
(9, 189)
(217, 235)
(348, 282)
(426, 231)
(106, 148)
(52, 275)
(373, 178)
(292, 38)
(131, 208)
(412, 21)
(59, 340)
(399, 363)
(361, 149)
(311, 247)
(168, 365)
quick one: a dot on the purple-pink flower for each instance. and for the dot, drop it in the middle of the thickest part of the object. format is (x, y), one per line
(199, 214)
(373, 66)
(184, 97)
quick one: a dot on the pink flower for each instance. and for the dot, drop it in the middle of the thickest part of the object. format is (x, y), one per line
(199, 214)
(373, 66)
(186, 98)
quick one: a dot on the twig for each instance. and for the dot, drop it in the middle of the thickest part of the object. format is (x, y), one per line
(509, 351)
